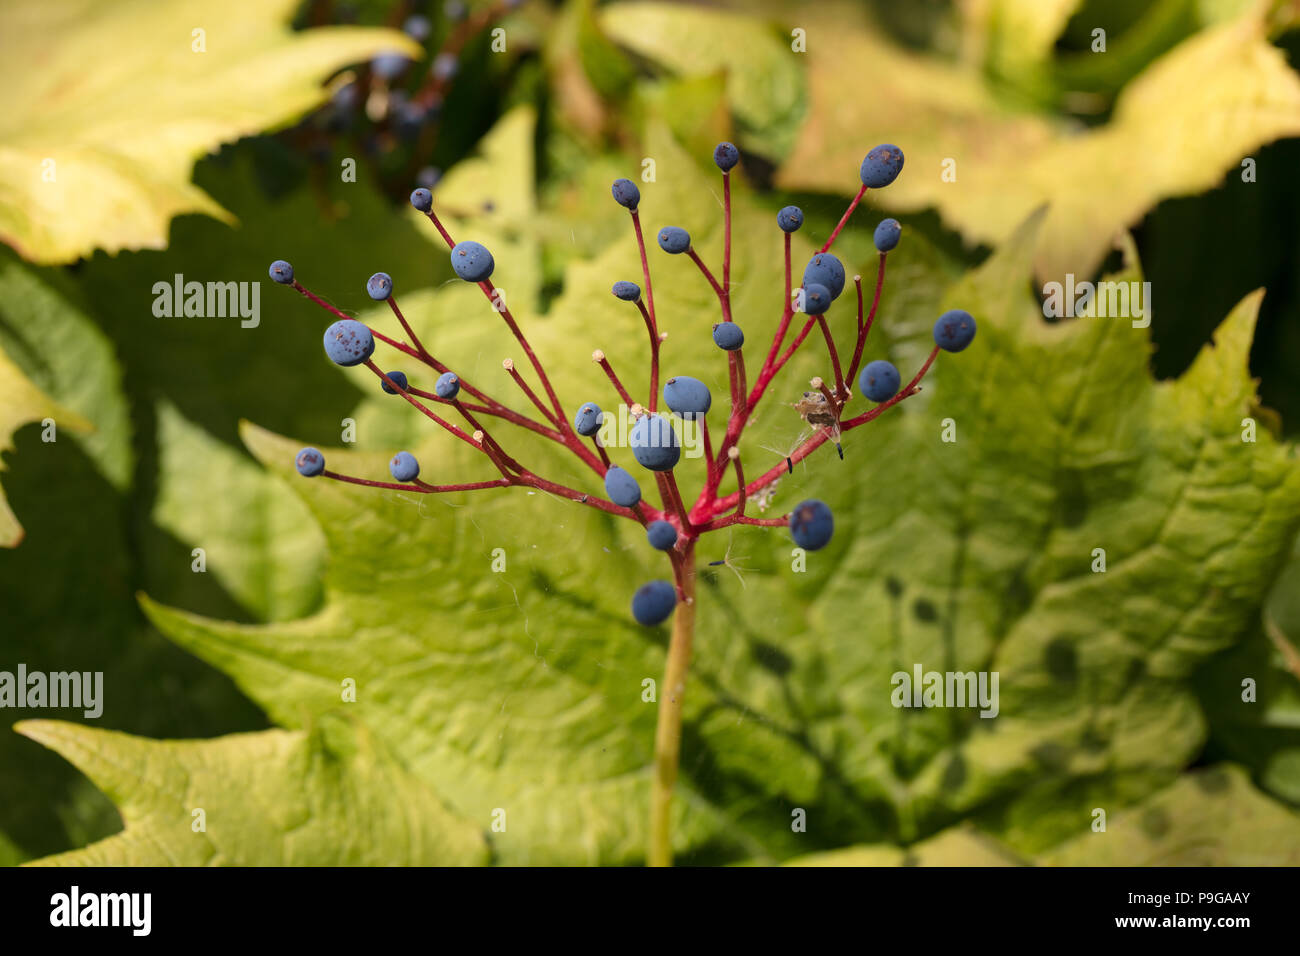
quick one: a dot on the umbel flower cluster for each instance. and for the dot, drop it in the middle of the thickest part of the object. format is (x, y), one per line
(654, 440)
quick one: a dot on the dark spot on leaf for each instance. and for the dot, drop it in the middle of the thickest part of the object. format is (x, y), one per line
(893, 586)
(954, 775)
(1154, 823)
(1061, 660)
(1094, 740)
(1017, 592)
(772, 658)
(1212, 781)
(924, 610)
(1071, 499)
(1051, 756)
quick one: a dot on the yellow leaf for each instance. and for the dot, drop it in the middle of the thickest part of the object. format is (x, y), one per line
(1191, 116)
(1013, 36)
(108, 105)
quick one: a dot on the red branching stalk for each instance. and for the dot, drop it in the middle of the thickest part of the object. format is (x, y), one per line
(499, 304)
(422, 408)
(712, 510)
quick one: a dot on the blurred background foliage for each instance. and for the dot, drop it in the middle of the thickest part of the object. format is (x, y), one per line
(163, 470)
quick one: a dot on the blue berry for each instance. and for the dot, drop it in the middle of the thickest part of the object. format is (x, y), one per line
(422, 199)
(587, 420)
(674, 240)
(825, 269)
(811, 524)
(726, 156)
(882, 166)
(627, 291)
(348, 343)
(410, 117)
(471, 261)
(654, 443)
(282, 272)
(728, 336)
(345, 98)
(816, 299)
(653, 603)
(621, 487)
(447, 386)
(310, 463)
(417, 28)
(399, 379)
(626, 193)
(379, 286)
(879, 381)
(790, 218)
(954, 330)
(404, 467)
(445, 66)
(389, 65)
(454, 9)
(687, 396)
(662, 535)
(887, 234)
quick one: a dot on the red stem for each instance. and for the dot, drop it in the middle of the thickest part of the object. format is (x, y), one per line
(728, 520)
(672, 498)
(418, 485)
(446, 236)
(603, 362)
(845, 218)
(653, 331)
(531, 395)
(392, 304)
(740, 487)
(717, 289)
(433, 416)
(864, 328)
(788, 290)
(489, 290)
(835, 357)
(726, 238)
(645, 267)
(497, 412)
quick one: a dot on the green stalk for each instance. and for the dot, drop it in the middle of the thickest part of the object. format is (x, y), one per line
(668, 733)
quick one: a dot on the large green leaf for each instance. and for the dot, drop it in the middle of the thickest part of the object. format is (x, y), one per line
(521, 691)
(1210, 817)
(1258, 723)
(329, 796)
(764, 80)
(96, 147)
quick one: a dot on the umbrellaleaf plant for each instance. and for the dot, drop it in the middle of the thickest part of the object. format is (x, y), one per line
(655, 438)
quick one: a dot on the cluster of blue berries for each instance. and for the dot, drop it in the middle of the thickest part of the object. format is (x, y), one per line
(653, 440)
(394, 107)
